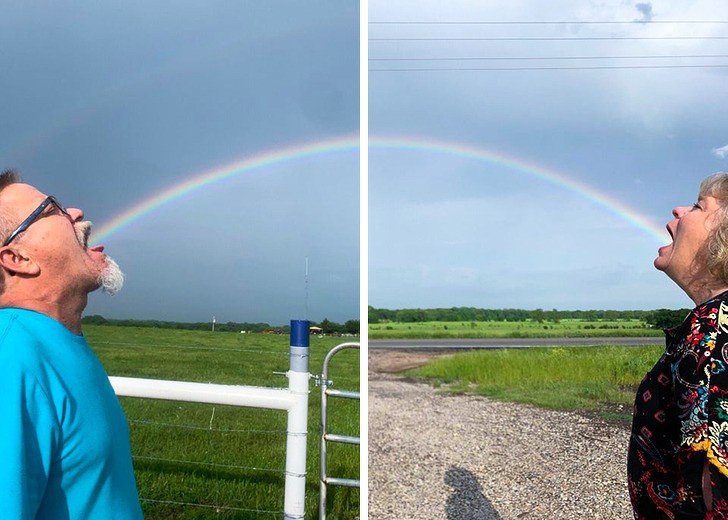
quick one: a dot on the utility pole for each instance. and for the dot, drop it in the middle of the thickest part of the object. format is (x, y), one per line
(213, 324)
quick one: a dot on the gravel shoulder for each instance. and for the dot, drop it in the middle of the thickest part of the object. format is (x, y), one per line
(435, 456)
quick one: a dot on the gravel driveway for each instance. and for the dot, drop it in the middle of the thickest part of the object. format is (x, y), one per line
(434, 456)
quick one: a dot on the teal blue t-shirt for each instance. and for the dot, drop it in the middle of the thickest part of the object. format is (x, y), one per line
(64, 439)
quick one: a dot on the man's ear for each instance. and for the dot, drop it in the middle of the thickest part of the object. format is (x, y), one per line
(17, 261)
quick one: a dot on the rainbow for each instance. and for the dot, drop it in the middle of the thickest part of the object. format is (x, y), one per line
(219, 174)
(351, 143)
(611, 204)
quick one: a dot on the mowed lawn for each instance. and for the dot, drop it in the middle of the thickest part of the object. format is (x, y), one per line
(571, 328)
(228, 460)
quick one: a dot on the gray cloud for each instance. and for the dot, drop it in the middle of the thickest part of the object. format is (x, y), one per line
(645, 9)
(121, 102)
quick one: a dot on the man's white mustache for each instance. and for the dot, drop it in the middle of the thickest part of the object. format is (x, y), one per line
(83, 231)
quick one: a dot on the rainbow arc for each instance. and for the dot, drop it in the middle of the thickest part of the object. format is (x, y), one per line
(350, 143)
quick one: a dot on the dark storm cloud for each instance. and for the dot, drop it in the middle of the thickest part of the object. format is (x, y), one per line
(106, 104)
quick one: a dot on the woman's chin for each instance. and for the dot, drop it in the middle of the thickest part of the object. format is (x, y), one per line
(663, 257)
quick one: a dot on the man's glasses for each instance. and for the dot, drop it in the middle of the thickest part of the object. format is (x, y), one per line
(34, 216)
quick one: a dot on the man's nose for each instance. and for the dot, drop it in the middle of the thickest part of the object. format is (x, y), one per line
(76, 214)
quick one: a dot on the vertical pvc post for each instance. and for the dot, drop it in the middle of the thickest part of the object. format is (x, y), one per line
(298, 378)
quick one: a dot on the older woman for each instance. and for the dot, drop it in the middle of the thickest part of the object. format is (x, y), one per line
(678, 453)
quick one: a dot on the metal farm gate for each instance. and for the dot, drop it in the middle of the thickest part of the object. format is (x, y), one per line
(326, 436)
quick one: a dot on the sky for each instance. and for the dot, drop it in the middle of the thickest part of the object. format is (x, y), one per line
(225, 132)
(548, 185)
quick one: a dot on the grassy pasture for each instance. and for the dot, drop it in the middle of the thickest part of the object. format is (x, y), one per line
(596, 379)
(229, 460)
(572, 328)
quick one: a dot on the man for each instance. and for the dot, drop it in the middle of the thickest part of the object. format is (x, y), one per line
(64, 440)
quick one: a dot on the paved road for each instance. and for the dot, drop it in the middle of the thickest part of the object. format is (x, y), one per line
(469, 344)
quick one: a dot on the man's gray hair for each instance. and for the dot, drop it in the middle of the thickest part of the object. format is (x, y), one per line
(7, 221)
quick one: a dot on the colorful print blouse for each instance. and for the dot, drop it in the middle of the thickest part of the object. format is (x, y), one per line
(681, 420)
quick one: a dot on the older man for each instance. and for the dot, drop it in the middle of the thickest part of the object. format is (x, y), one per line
(64, 441)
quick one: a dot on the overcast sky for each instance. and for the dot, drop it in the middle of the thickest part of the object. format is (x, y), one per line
(571, 171)
(491, 188)
(105, 104)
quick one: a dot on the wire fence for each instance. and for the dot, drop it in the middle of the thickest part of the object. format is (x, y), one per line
(215, 453)
(197, 461)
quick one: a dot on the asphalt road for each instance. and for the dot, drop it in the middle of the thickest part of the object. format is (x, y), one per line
(493, 343)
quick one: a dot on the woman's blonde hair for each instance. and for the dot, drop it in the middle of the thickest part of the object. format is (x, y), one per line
(716, 186)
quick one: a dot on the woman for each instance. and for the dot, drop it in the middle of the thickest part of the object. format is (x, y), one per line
(678, 453)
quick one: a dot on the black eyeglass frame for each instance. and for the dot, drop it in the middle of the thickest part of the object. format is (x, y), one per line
(50, 199)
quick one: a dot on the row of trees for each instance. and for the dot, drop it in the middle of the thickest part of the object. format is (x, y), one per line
(666, 318)
(331, 327)
(327, 327)
(660, 318)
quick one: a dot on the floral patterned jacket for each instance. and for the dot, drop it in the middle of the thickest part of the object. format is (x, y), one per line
(681, 421)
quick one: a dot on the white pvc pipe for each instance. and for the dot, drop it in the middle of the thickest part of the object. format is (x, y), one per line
(235, 395)
(295, 487)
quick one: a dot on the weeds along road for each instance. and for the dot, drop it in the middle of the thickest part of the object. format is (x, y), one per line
(495, 343)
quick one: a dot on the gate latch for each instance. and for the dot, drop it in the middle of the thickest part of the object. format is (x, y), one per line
(320, 381)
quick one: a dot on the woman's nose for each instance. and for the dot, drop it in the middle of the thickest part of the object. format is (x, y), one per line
(680, 211)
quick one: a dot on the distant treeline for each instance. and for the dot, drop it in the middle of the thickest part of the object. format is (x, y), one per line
(327, 327)
(660, 318)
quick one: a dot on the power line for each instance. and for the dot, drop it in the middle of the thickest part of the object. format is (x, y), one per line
(552, 58)
(553, 38)
(650, 22)
(515, 58)
(596, 67)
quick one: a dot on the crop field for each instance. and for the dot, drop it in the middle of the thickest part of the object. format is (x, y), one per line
(600, 379)
(227, 461)
(571, 328)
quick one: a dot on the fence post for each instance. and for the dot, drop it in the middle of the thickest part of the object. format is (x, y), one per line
(298, 379)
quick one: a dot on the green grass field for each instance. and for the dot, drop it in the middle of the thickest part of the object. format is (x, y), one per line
(511, 329)
(228, 460)
(594, 379)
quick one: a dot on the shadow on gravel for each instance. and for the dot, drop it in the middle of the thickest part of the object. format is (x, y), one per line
(466, 501)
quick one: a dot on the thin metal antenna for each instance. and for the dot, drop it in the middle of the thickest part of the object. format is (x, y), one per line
(305, 312)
